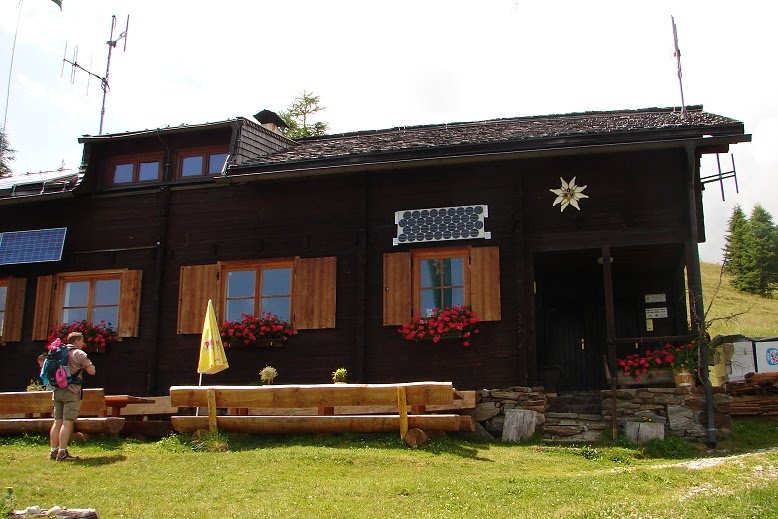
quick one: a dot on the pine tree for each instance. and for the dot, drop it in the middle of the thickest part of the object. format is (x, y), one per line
(759, 269)
(6, 155)
(296, 118)
(734, 246)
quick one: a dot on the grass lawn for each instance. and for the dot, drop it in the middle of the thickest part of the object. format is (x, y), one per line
(376, 476)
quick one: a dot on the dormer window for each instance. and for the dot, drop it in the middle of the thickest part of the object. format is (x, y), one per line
(129, 170)
(201, 162)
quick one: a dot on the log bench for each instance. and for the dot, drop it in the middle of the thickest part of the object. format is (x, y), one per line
(325, 398)
(30, 412)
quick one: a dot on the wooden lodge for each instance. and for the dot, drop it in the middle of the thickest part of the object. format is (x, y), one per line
(349, 236)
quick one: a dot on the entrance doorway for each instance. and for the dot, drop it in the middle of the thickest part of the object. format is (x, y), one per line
(570, 314)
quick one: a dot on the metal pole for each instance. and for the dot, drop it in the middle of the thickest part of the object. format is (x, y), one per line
(104, 85)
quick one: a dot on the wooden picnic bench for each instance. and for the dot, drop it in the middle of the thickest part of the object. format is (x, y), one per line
(325, 398)
(30, 412)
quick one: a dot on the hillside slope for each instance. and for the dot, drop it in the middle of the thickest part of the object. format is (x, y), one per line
(759, 315)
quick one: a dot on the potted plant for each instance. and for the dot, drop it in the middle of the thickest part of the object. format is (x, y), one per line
(455, 321)
(685, 361)
(268, 374)
(96, 336)
(263, 330)
(340, 376)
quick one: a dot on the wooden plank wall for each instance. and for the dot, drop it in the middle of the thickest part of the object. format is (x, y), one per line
(336, 216)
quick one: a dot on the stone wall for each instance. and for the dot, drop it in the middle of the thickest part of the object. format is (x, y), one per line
(491, 404)
(682, 410)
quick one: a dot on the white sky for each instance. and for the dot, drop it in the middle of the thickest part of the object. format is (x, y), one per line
(405, 62)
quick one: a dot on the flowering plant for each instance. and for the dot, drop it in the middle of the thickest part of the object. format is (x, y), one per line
(441, 322)
(249, 328)
(681, 357)
(96, 336)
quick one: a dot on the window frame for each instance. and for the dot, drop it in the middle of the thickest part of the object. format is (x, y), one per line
(205, 152)
(50, 295)
(136, 161)
(257, 266)
(417, 256)
(91, 278)
(400, 282)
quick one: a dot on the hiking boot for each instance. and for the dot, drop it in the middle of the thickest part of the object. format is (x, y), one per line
(53, 455)
(65, 456)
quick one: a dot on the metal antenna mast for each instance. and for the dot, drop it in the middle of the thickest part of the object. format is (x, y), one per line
(678, 58)
(103, 79)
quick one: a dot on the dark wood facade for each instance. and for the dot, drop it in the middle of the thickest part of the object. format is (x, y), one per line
(552, 296)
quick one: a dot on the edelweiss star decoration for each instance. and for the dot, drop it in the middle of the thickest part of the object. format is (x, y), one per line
(569, 194)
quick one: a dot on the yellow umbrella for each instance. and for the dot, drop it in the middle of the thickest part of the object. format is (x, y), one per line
(212, 357)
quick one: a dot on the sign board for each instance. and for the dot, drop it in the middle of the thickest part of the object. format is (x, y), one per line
(656, 298)
(656, 313)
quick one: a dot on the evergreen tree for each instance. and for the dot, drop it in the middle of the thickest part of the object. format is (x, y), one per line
(6, 155)
(296, 117)
(759, 273)
(735, 237)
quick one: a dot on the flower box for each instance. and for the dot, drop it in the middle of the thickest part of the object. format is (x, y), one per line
(260, 343)
(654, 378)
(456, 322)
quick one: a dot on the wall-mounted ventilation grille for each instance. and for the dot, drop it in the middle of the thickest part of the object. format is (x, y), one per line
(441, 224)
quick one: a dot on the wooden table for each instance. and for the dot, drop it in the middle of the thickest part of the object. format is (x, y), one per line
(117, 402)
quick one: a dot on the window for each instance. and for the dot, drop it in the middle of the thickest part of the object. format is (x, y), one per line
(417, 282)
(112, 296)
(128, 170)
(201, 162)
(301, 290)
(265, 288)
(12, 292)
(3, 297)
(92, 300)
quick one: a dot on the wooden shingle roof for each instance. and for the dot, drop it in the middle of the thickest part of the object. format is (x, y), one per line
(515, 133)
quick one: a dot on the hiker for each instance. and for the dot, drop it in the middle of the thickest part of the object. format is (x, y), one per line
(67, 400)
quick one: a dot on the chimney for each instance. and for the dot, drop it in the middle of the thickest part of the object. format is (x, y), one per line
(271, 121)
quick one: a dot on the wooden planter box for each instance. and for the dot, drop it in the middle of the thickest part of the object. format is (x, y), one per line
(654, 378)
(261, 343)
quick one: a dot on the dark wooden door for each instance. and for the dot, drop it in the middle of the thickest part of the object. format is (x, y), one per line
(575, 342)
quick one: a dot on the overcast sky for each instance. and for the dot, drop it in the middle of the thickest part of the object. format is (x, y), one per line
(379, 65)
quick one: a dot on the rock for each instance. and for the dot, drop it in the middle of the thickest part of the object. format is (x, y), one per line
(483, 411)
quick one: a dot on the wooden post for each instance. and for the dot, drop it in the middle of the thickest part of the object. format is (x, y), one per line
(402, 405)
(211, 409)
(610, 327)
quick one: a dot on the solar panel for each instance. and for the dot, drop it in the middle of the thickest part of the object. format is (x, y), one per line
(441, 224)
(33, 246)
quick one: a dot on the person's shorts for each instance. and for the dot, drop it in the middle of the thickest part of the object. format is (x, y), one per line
(67, 404)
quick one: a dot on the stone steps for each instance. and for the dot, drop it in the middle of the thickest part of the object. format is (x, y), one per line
(574, 417)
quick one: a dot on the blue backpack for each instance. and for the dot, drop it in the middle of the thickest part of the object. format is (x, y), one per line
(55, 370)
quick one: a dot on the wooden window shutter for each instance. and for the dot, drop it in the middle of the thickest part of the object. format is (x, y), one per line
(129, 303)
(313, 299)
(42, 318)
(14, 310)
(397, 288)
(197, 284)
(485, 282)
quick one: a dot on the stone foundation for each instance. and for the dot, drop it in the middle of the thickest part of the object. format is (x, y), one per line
(681, 410)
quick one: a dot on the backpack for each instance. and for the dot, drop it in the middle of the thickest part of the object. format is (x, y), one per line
(55, 370)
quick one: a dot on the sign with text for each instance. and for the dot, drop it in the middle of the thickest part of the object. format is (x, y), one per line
(656, 298)
(656, 313)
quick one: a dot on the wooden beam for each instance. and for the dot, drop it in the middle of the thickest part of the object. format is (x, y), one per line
(107, 425)
(211, 394)
(324, 424)
(402, 405)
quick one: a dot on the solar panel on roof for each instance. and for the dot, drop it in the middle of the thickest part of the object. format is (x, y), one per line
(33, 246)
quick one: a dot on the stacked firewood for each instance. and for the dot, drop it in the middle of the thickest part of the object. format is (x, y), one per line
(756, 395)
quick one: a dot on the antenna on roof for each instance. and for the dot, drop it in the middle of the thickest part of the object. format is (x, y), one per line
(103, 79)
(678, 58)
(720, 176)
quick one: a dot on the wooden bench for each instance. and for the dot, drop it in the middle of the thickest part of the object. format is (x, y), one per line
(149, 419)
(325, 398)
(30, 412)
